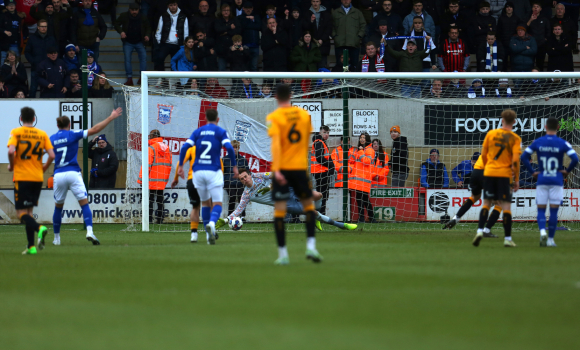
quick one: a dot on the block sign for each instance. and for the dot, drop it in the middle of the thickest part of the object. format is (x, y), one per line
(365, 120)
(315, 110)
(74, 110)
(333, 119)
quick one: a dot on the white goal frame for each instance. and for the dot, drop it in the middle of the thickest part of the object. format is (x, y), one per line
(146, 75)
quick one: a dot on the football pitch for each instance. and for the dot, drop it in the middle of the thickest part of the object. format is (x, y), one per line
(375, 290)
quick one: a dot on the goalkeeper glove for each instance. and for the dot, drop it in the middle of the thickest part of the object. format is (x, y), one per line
(221, 223)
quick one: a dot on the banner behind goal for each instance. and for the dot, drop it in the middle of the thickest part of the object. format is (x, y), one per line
(448, 114)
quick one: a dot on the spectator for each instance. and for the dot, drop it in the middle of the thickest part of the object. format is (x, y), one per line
(245, 89)
(361, 175)
(295, 87)
(339, 66)
(569, 26)
(195, 6)
(293, 24)
(88, 29)
(57, 16)
(14, 74)
(51, 75)
(70, 58)
(105, 163)
(527, 179)
(394, 21)
(271, 13)
(539, 28)
(18, 93)
(454, 56)
(93, 67)
(399, 158)
(319, 24)
(182, 61)
(226, 26)
(274, 47)
(379, 39)
(331, 87)
(436, 90)
(425, 43)
(402, 7)
(75, 87)
(348, 30)
(134, 29)
(477, 90)
(108, 7)
(453, 18)
(13, 29)
(482, 25)
(506, 29)
(237, 8)
(559, 51)
(433, 172)
(503, 89)
(461, 174)
(101, 87)
(238, 55)
(234, 187)
(381, 160)
(410, 60)
(3, 89)
(251, 27)
(371, 61)
(523, 48)
(267, 90)
(496, 8)
(455, 89)
(172, 30)
(204, 19)
(214, 90)
(522, 9)
(490, 55)
(418, 12)
(322, 166)
(65, 22)
(194, 87)
(204, 52)
(35, 52)
(306, 55)
(159, 169)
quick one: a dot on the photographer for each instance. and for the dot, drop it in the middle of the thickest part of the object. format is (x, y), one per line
(238, 55)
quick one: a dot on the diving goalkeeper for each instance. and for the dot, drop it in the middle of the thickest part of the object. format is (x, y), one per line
(257, 188)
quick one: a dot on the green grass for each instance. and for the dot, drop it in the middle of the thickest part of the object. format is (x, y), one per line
(375, 290)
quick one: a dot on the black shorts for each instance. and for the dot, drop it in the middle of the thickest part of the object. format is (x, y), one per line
(193, 195)
(26, 194)
(497, 188)
(300, 182)
(476, 182)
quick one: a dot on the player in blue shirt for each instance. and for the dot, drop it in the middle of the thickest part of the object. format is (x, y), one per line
(550, 150)
(67, 173)
(208, 178)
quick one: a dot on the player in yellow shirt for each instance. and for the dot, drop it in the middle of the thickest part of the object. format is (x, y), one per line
(192, 193)
(289, 128)
(26, 147)
(476, 186)
(501, 160)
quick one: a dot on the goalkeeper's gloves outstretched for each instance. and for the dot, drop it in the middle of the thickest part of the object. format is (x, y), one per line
(221, 223)
(263, 190)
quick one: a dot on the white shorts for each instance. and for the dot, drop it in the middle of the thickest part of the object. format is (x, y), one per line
(552, 193)
(209, 185)
(69, 180)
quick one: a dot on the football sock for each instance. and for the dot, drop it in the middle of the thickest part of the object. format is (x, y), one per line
(329, 221)
(552, 222)
(205, 215)
(483, 214)
(215, 213)
(542, 219)
(507, 224)
(310, 220)
(282, 252)
(464, 208)
(194, 225)
(56, 220)
(493, 218)
(279, 227)
(311, 243)
(31, 227)
(88, 218)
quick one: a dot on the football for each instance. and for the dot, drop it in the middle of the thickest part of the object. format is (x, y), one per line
(236, 224)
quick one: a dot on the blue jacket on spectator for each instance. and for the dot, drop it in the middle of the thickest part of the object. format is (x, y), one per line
(52, 72)
(179, 61)
(36, 47)
(461, 171)
(251, 30)
(428, 23)
(71, 63)
(424, 174)
(523, 58)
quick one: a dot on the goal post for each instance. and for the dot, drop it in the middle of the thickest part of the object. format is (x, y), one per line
(353, 86)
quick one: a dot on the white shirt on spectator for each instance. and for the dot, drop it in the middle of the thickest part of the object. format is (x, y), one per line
(172, 38)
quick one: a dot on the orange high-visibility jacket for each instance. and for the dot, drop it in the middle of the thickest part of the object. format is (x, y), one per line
(361, 175)
(381, 171)
(315, 167)
(337, 160)
(159, 164)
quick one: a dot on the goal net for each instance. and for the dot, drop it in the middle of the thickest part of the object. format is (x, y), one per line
(425, 131)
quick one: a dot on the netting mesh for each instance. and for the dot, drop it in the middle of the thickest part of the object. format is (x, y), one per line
(448, 117)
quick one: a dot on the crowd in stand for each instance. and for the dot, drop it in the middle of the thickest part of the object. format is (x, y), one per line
(290, 35)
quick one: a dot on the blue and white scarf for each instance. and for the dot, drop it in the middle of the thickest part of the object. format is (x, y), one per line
(491, 56)
(508, 93)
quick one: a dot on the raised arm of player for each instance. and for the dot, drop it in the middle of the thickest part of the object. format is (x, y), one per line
(100, 126)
